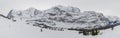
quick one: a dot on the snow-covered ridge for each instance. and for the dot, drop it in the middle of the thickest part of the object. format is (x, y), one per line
(65, 17)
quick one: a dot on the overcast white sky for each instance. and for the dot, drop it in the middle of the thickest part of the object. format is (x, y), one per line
(109, 7)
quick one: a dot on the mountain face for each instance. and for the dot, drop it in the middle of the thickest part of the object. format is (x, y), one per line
(65, 17)
(25, 14)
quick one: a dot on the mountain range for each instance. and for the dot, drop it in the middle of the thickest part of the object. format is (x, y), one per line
(63, 17)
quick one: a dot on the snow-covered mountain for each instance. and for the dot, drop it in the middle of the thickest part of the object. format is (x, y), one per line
(19, 29)
(25, 14)
(64, 17)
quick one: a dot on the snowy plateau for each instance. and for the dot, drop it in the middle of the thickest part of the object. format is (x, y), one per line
(57, 22)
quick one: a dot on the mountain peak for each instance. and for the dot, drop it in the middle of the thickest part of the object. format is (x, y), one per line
(66, 8)
(31, 8)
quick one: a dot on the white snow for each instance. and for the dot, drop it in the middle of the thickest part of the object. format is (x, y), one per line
(9, 29)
